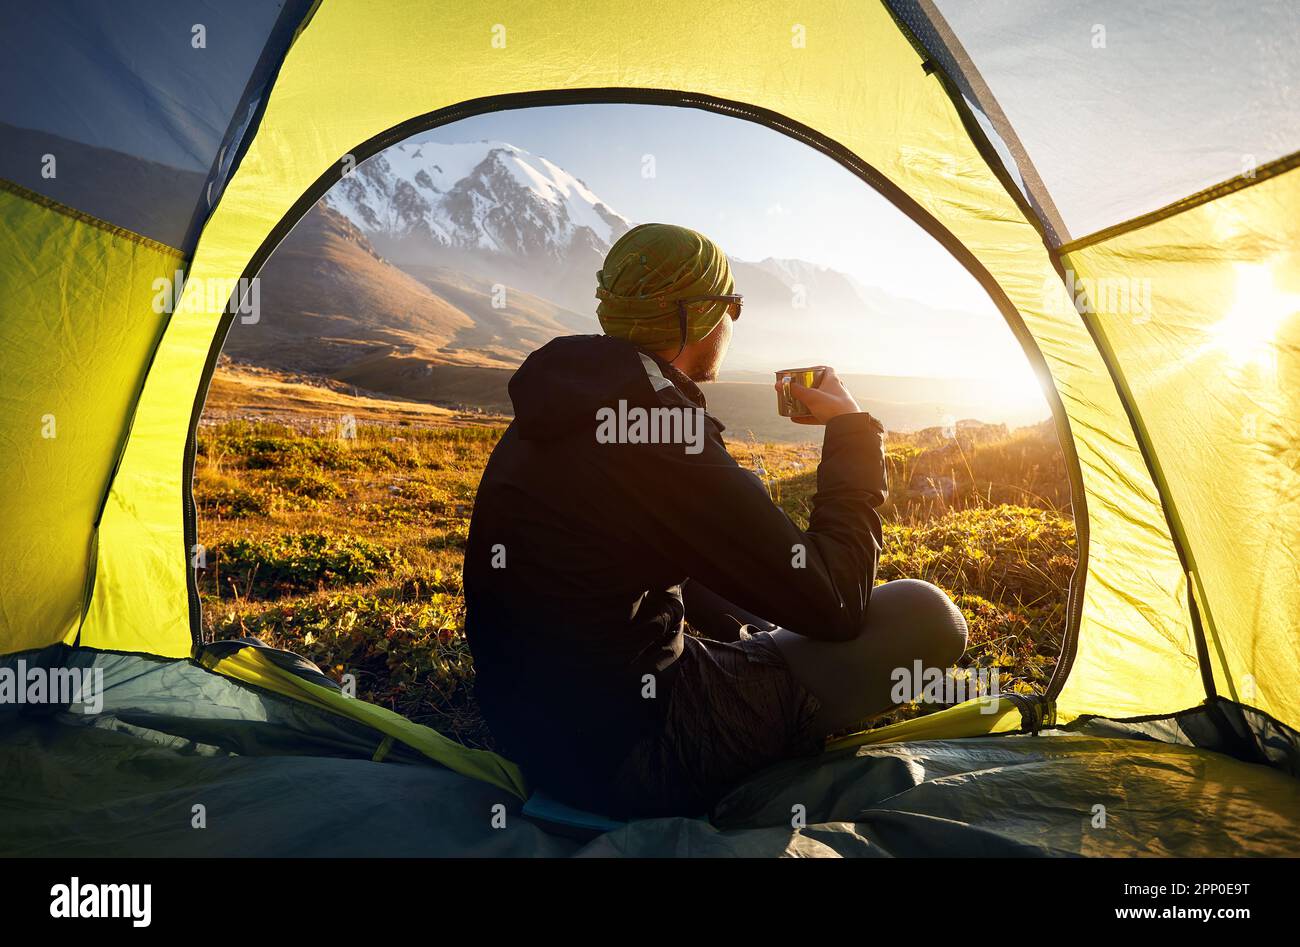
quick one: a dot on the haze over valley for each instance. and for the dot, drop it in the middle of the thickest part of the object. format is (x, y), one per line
(432, 270)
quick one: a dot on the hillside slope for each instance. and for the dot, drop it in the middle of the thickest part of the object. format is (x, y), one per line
(328, 298)
(330, 301)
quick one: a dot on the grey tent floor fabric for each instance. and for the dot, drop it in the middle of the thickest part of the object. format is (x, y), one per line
(1052, 794)
(277, 778)
(75, 791)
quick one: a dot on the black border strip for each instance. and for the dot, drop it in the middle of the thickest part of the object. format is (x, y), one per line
(668, 97)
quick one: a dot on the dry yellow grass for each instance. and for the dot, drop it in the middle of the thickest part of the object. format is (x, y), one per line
(349, 550)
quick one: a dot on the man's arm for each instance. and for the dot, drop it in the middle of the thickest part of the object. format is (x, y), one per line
(715, 519)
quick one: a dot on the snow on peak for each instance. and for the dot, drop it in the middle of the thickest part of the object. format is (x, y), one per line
(485, 194)
(444, 164)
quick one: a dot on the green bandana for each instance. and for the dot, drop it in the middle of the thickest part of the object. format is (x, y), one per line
(646, 271)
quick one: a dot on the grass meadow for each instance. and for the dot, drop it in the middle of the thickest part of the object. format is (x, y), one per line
(348, 549)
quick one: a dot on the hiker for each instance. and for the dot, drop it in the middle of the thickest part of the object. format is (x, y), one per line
(587, 553)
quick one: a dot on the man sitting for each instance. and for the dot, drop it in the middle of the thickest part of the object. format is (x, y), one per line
(610, 513)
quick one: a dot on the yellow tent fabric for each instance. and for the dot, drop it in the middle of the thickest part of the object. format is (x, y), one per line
(894, 116)
(361, 75)
(78, 327)
(977, 717)
(1211, 355)
(252, 666)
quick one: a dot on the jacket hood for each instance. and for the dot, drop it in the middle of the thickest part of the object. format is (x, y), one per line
(560, 387)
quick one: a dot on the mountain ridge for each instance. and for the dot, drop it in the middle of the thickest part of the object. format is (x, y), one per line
(431, 271)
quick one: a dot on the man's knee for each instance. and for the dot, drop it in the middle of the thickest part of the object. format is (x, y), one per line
(934, 626)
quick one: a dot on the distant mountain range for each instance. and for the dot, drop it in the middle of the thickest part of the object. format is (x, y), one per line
(432, 269)
(329, 300)
(486, 208)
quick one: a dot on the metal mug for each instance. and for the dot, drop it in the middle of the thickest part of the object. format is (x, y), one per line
(787, 405)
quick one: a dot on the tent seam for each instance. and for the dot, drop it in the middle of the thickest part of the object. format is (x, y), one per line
(1210, 194)
(1037, 203)
(1199, 613)
(1064, 430)
(51, 204)
(255, 91)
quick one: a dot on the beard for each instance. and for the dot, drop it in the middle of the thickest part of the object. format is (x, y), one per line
(703, 374)
(706, 361)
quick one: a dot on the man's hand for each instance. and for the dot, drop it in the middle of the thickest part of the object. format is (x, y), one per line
(830, 400)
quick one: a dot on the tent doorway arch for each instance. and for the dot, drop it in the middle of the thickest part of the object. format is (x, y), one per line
(903, 120)
(678, 99)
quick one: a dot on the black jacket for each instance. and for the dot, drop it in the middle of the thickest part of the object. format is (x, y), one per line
(578, 549)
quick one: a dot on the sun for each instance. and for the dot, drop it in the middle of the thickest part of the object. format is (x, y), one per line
(1247, 333)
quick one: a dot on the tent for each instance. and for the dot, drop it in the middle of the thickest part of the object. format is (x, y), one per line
(1122, 182)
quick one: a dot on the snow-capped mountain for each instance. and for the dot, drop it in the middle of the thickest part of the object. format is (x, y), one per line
(488, 206)
(503, 217)
(432, 270)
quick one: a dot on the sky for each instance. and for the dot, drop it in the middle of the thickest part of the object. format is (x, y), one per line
(758, 193)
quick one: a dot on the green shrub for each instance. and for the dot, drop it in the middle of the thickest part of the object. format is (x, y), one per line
(308, 482)
(299, 562)
(996, 552)
(279, 452)
(233, 502)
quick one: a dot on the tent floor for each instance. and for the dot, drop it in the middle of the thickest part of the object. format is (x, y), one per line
(94, 791)
(175, 746)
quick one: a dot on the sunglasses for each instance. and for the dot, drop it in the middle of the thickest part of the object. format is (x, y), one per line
(734, 303)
